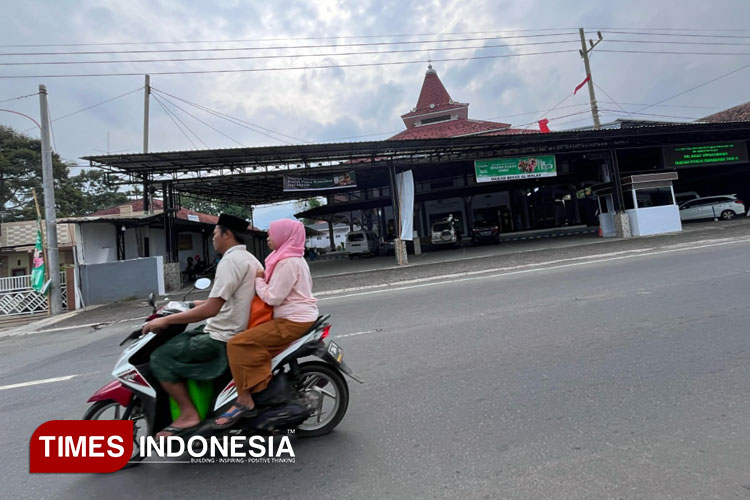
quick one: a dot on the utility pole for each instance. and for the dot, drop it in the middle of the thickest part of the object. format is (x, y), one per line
(146, 98)
(146, 95)
(50, 215)
(585, 55)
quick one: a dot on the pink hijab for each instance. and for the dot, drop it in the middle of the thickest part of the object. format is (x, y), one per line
(289, 237)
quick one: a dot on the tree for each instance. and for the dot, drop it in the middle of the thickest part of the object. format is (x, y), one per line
(217, 207)
(21, 171)
(98, 191)
(304, 205)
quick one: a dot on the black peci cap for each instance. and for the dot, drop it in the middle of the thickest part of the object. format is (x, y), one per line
(233, 223)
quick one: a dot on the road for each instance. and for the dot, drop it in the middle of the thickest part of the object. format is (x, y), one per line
(618, 377)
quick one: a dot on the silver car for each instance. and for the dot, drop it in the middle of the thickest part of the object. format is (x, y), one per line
(710, 207)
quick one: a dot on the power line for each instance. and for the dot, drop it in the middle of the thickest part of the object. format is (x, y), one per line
(92, 106)
(189, 129)
(628, 30)
(156, 98)
(232, 119)
(692, 35)
(651, 114)
(283, 56)
(290, 68)
(674, 52)
(19, 97)
(201, 121)
(697, 87)
(612, 98)
(364, 53)
(662, 105)
(224, 49)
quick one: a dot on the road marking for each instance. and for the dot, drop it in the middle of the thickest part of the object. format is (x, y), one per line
(443, 277)
(469, 276)
(355, 334)
(38, 382)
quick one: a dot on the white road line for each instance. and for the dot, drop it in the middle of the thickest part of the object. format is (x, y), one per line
(443, 277)
(38, 382)
(393, 287)
(354, 334)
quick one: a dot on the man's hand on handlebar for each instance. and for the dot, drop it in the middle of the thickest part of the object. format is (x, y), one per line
(155, 325)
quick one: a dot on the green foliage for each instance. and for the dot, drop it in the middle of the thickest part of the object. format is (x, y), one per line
(304, 205)
(216, 208)
(21, 171)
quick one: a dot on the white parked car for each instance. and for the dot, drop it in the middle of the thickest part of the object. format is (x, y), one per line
(444, 233)
(362, 243)
(725, 207)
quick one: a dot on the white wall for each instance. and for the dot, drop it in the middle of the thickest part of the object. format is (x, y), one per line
(98, 243)
(654, 220)
(324, 241)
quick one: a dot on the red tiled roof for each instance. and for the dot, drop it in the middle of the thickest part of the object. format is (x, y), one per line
(455, 128)
(159, 205)
(740, 113)
(433, 93)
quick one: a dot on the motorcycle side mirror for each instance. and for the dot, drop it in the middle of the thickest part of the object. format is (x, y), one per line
(200, 284)
(203, 283)
(152, 301)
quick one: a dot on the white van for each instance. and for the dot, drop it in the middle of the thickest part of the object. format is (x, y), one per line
(362, 243)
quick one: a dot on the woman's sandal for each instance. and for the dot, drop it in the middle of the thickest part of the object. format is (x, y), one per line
(234, 414)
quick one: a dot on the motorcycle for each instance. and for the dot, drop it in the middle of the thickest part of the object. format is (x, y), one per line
(309, 396)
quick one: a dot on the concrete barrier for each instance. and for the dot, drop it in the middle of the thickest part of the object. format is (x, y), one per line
(124, 279)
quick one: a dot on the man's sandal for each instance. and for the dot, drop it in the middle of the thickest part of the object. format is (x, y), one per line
(233, 415)
(179, 431)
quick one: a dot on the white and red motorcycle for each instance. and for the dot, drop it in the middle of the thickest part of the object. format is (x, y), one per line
(310, 396)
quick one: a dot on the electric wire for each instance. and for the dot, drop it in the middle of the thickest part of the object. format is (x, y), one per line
(232, 119)
(156, 98)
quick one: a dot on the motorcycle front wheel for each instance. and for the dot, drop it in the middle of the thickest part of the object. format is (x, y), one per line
(110, 409)
(326, 395)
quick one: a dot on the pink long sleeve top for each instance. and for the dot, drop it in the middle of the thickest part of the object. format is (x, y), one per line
(289, 291)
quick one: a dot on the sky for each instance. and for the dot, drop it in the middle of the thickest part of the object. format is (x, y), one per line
(337, 93)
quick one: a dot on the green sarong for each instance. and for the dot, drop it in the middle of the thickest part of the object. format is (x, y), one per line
(192, 354)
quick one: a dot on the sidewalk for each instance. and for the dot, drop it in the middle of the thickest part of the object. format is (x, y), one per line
(340, 274)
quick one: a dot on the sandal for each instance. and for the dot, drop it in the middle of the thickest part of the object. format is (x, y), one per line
(179, 431)
(233, 415)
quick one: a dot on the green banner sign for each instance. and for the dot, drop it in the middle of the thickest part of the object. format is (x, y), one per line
(37, 263)
(509, 169)
(333, 181)
(700, 155)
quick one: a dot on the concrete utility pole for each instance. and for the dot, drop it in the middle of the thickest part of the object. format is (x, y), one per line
(146, 95)
(585, 55)
(50, 214)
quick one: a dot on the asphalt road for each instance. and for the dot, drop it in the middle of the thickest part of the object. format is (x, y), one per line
(626, 377)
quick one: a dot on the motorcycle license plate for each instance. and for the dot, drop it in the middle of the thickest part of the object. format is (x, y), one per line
(335, 352)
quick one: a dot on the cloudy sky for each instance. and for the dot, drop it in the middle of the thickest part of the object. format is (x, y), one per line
(339, 94)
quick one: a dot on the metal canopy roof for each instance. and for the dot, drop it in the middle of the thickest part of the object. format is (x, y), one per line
(252, 176)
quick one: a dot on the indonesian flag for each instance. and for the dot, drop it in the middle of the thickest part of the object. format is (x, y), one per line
(543, 126)
(588, 77)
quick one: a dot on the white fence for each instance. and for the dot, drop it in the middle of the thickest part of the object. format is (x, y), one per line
(18, 298)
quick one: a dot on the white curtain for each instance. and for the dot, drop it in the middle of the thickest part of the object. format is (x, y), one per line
(405, 186)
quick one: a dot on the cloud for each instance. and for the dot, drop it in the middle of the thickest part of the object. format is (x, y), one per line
(326, 104)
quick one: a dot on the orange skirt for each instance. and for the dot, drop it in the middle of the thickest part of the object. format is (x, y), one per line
(250, 352)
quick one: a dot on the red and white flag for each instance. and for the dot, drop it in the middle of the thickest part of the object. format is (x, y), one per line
(543, 128)
(580, 85)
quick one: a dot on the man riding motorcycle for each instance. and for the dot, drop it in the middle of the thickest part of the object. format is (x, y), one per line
(200, 353)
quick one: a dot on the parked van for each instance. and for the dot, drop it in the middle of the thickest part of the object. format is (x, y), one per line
(362, 243)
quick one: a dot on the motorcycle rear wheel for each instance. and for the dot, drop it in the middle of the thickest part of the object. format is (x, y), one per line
(110, 409)
(324, 387)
